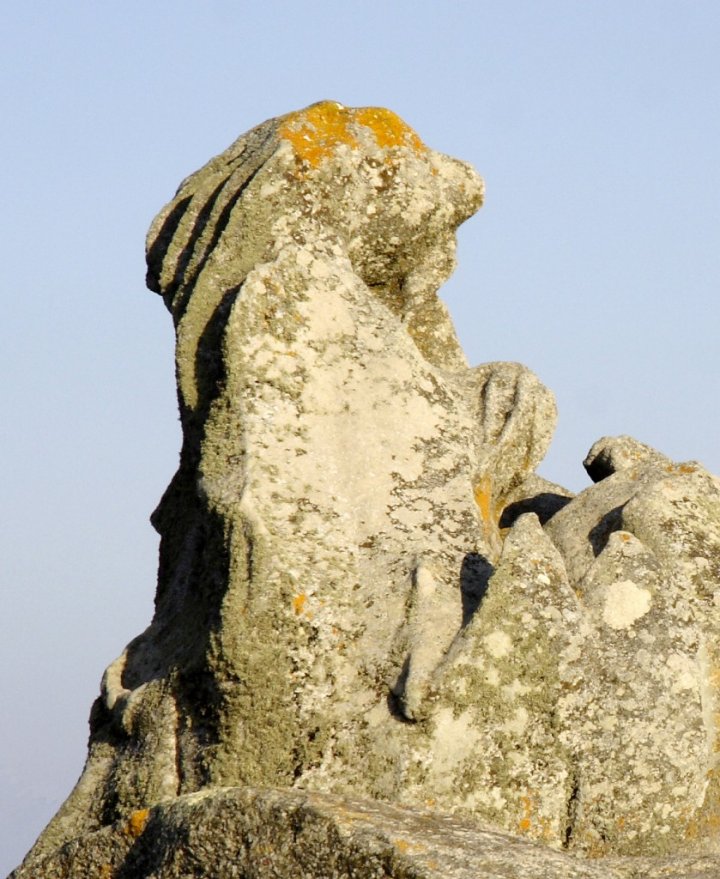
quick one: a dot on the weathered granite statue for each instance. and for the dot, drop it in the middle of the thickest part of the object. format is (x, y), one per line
(382, 645)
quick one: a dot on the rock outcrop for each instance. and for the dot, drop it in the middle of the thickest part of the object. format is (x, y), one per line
(382, 645)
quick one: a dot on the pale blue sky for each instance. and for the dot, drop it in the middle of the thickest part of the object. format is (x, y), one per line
(595, 262)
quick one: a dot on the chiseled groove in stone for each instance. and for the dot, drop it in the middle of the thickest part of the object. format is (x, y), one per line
(157, 249)
(188, 262)
(188, 273)
(172, 234)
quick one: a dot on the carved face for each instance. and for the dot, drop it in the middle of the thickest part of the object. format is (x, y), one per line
(367, 175)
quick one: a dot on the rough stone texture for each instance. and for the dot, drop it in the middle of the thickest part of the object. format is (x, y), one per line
(610, 454)
(248, 833)
(365, 592)
(642, 550)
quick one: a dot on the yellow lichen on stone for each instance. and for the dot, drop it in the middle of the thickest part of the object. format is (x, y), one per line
(681, 468)
(316, 132)
(525, 823)
(388, 128)
(490, 512)
(405, 846)
(534, 824)
(483, 498)
(488, 505)
(137, 821)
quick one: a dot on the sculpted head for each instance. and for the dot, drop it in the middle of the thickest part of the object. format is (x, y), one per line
(362, 178)
(336, 183)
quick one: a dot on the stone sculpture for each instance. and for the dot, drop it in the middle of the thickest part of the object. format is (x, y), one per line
(382, 645)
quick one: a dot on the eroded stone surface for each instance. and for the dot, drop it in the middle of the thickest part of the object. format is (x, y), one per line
(642, 550)
(614, 453)
(364, 588)
(271, 833)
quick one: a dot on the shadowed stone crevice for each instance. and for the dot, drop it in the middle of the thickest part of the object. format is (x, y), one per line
(210, 365)
(573, 808)
(544, 505)
(474, 576)
(600, 534)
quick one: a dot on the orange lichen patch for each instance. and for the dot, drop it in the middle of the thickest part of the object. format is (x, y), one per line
(299, 603)
(403, 846)
(525, 823)
(680, 468)
(705, 822)
(704, 826)
(624, 537)
(317, 131)
(388, 128)
(137, 821)
(539, 826)
(483, 498)
(490, 508)
(106, 871)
